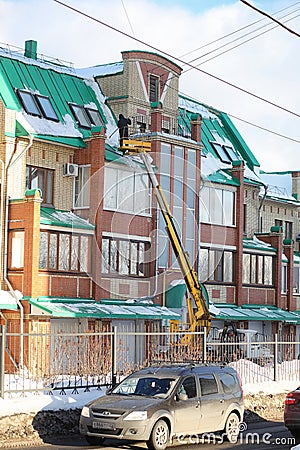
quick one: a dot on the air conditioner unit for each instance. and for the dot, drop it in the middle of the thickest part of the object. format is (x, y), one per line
(70, 170)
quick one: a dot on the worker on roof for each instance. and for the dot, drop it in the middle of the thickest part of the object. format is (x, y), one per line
(123, 123)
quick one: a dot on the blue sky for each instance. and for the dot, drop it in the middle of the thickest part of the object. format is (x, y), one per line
(199, 6)
(263, 62)
(196, 5)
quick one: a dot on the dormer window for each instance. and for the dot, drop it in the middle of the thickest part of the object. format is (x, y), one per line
(80, 115)
(29, 104)
(153, 88)
(225, 153)
(86, 117)
(46, 107)
(37, 105)
(231, 152)
(95, 117)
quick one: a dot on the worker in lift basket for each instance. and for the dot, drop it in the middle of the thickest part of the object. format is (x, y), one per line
(123, 123)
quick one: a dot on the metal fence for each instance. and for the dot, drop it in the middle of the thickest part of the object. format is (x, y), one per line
(66, 362)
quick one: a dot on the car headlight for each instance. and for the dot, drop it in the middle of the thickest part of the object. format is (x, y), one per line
(136, 415)
(85, 412)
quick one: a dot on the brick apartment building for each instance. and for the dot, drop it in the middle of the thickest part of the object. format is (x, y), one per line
(83, 244)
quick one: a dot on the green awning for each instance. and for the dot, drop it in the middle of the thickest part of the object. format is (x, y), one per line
(75, 307)
(224, 311)
(223, 178)
(256, 244)
(175, 294)
(58, 218)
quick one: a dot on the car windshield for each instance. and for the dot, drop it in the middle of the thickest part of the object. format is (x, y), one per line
(148, 386)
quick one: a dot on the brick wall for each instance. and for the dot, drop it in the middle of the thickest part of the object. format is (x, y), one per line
(53, 157)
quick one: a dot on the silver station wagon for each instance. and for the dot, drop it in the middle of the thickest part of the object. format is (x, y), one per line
(160, 404)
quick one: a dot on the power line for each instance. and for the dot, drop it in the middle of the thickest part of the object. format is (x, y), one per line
(237, 39)
(245, 91)
(241, 29)
(241, 37)
(235, 46)
(244, 120)
(264, 129)
(270, 17)
(127, 16)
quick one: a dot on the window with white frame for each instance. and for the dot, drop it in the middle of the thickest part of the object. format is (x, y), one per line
(178, 175)
(126, 191)
(284, 278)
(43, 179)
(16, 260)
(64, 252)
(216, 265)
(258, 269)
(217, 206)
(296, 280)
(82, 187)
(124, 256)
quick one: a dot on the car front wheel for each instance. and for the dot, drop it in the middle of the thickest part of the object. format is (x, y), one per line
(94, 440)
(232, 427)
(159, 436)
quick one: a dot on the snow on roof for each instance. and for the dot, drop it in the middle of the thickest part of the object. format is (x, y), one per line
(55, 65)
(111, 126)
(101, 70)
(195, 107)
(40, 125)
(210, 165)
(258, 243)
(279, 186)
(283, 180)
(251, 175)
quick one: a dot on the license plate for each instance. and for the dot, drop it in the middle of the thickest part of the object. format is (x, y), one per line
(103, 425)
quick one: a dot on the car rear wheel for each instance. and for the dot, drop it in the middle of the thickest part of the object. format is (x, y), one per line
(94, 440)
(232, 427)
(159, 436)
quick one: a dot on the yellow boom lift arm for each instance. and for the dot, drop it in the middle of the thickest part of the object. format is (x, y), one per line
(201, 318)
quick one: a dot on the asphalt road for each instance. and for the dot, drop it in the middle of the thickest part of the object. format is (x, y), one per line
(260, 436)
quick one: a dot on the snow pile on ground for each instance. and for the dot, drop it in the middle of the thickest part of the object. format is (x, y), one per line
(31, 403)
(270, 387)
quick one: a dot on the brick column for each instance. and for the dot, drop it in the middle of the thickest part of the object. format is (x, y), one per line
(156, 117)
(288, 248)
(196, 123)
(96, 149)
(32, 210)
(238, 172)
(274, 238)
(296, 184)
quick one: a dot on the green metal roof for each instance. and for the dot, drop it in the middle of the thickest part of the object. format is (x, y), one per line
(253, 312)
(51, 81)
(59, 218)
(256, 244)
(216, 123)
(106, 309)
(222, 178)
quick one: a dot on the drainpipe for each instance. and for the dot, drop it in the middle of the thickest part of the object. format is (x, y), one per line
(260, 207)
(6, 202)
